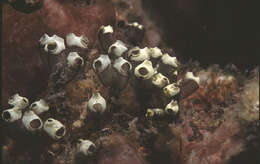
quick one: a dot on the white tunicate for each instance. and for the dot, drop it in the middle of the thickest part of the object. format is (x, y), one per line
(160, 80)
(31, 121)
(171, 90)
(78, 41)
(169, 60)
(155, 52)
(172, 107)
(53, 45)
(144, 70)
(117, 48)
(97, 103)
(135, 24)
(101, 63)
(189, 75)
(122, 66)
(175, 73)
(136, 54)
(39, 106)
(11, 115)
(72, 59)
(18, 101)
(54, 128)
(106, 29)
(86, 147)
(154, 112)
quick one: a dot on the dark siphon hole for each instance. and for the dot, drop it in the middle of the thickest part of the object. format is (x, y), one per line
(60, 132)
(52, 46)
(98, 64)
(136, 52)
(79, 141)
(125, 67)
(6, 115)
(33, 105)
(91, 148)
(170, 111)
(97, 107)
(121, 23)
(78, 61)
(36, 123)
(113, 48)
(143, 71)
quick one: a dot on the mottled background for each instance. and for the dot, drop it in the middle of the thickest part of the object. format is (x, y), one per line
(218, 124)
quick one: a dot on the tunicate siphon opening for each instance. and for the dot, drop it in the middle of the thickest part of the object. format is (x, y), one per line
(97, 107)
(91, 148)
(6, 115)
(98, 64)
(36, 123)
(170, 111)
(135, 52)
(52, 46)
(125, 67)
(113, 48)
(60, 132)
(143, 71)
(78, 61)
(33, 105)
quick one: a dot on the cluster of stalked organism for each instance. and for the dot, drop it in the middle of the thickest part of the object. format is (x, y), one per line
(115, 65)
(150, 66)
(62, 71)
(30, 116)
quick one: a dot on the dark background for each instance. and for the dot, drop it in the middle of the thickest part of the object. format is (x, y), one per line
(210, 31)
